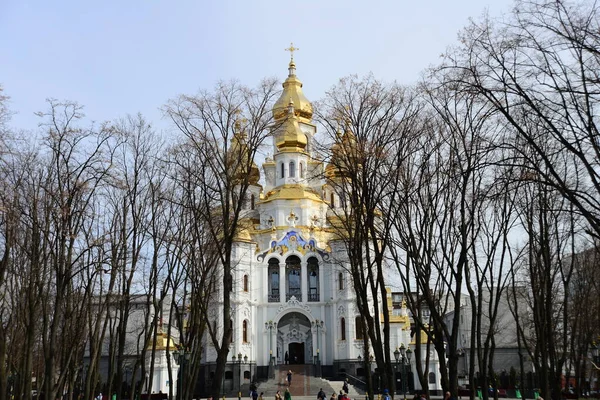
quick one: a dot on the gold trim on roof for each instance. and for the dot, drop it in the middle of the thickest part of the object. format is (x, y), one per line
(292, 192)
(162, 342)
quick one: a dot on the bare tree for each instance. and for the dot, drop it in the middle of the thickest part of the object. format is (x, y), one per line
(49, 222)
(371, 126)
(540, 68)
(452, 225)
(224, 130)
(8, 228)
(133, 211)
(553, 233)
(79, 160)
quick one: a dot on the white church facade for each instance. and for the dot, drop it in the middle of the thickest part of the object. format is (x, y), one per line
(292, 298)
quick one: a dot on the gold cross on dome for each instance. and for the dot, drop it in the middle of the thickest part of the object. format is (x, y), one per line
(292, 49)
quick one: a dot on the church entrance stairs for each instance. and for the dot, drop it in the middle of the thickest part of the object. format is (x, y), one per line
(304, 383)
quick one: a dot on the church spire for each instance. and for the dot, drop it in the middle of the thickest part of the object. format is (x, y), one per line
(292, 89)
(292, 49)
(292, 65)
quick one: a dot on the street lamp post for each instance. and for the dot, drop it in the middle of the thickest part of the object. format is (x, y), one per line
(397, 357)
(240, 359)
(595, 359)
(317, 324)
(127, 369)
(403, 356)
(240, 375)
(271, 327)
(181, 357)
(84, 371)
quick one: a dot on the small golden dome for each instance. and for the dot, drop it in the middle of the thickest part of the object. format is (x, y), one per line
(292, 89)
(343, 151)
(238, 156)
(290, 136)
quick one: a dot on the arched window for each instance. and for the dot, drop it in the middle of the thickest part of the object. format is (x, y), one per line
(359, 328)
(273, 280)
(301, 167)
(332, 200)
(252, 200)
(245, 331)
(231, 335)
(431, 377)
(341, 280)
(313, 279)
(292, 169)
(245, 283)
(282, 170)
(294, 278)
(343, 328)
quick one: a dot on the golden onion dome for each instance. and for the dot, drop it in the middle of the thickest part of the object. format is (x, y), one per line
(290, 136)
(292, 89)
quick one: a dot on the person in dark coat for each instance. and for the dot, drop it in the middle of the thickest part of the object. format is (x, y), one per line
(321, 395)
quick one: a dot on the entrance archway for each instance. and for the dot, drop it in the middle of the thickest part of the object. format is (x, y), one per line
(294, 339)
(296, 352)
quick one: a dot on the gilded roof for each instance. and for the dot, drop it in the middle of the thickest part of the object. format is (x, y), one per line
(292, 192)
(292, 89)
(289, 135)
(162, 342)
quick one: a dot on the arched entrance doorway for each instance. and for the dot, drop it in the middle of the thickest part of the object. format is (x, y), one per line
(294, 338)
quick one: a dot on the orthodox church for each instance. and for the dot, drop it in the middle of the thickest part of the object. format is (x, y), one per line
(293, 299)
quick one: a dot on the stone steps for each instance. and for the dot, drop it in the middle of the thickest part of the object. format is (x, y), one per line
(304, 383)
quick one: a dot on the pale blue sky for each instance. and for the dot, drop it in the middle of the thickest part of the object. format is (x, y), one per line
(120, 57)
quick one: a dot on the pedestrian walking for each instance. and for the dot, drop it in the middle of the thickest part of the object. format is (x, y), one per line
(321, 395)
(386, 395)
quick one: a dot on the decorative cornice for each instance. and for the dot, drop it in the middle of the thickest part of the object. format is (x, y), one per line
(293, 303)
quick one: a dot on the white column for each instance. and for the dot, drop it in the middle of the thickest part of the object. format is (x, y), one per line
(282, 282)
(303, 281)
(323, 337)
(313, 330)
(273, 340)
(265, 355)
(321, 284)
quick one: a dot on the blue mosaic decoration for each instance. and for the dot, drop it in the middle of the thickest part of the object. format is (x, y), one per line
(293, 241)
